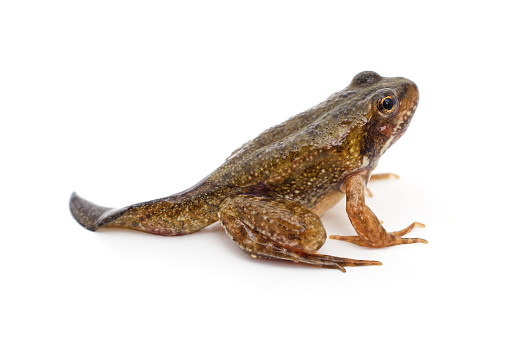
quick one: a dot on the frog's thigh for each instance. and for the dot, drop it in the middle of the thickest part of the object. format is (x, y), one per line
(276, 220)
(280, 229)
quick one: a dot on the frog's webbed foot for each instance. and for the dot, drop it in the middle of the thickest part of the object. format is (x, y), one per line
(279, 229)
(370, 231)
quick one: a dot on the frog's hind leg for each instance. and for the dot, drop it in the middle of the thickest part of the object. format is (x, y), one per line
(279, 229)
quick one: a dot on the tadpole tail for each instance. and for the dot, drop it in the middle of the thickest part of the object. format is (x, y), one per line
(86, 213)
(178, 214)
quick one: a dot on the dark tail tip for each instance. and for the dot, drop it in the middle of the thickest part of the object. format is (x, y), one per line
(85, 212)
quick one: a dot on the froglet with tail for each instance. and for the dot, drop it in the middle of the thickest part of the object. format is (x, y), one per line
(270, 193)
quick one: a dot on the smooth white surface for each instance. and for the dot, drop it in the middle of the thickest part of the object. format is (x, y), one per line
(127, 101)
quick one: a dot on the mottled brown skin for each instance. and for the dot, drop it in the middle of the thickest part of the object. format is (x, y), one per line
(270, 193)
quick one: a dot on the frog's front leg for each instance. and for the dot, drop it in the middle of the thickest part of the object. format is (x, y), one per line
(370, 231)
(383, 176)
(280, 229)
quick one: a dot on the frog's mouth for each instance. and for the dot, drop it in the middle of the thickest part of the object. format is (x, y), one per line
(407, 108)
(403, 122)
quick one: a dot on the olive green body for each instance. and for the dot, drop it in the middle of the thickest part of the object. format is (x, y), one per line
(305, 160)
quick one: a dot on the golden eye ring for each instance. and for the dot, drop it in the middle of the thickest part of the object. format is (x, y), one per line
(387, 105)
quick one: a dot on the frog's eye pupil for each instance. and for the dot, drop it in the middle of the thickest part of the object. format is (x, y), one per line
(388, 103)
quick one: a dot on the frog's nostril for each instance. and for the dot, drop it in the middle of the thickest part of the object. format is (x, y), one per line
(410, 90)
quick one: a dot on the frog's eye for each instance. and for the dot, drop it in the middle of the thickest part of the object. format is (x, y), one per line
(387, 105)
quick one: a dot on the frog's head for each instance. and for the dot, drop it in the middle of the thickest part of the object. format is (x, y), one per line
(389, 104)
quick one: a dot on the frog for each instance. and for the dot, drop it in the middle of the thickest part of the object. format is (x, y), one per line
(269, 194)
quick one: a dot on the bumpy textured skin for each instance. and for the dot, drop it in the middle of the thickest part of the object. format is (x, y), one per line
(291, 170)
(298, 227)
(279, 228)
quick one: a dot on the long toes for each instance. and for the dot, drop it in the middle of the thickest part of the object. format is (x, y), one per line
(334, 266)
(392, 239)
(329, 261)
(408, 229)
(381, 176)
(352, 239)
(354, 263)
(403, 241)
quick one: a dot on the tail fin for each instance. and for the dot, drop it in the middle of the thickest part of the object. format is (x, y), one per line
(183, 213)
(86, 213)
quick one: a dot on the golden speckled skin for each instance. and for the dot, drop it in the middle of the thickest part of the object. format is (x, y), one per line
(289, 171)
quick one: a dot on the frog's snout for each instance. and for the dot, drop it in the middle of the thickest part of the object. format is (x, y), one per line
(411, 97)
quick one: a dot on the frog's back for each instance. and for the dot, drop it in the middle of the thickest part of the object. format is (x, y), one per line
(274, 151)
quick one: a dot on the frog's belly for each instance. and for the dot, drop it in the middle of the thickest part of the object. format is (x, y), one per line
(326, 201)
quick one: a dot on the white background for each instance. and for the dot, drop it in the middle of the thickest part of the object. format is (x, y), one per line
(127, 101)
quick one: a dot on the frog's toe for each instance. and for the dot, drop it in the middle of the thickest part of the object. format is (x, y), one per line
(351, 239)
(335, 262)
(399, 240)
(390, 239)
(382, 176)
(408, 229)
